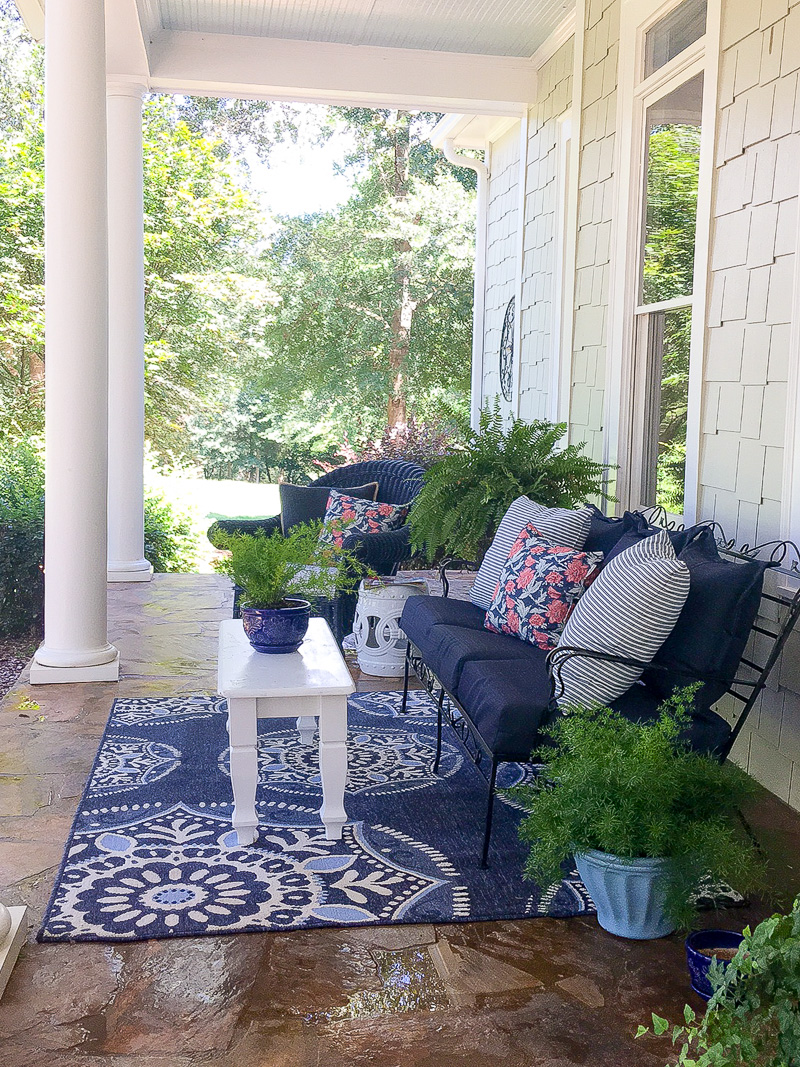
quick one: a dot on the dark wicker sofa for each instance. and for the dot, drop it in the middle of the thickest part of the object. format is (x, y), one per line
(398, 483)
(498, 692)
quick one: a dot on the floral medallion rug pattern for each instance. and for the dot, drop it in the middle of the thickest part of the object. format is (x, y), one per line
(152, 853)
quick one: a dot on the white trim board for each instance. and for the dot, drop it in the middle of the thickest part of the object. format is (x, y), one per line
(633, 98)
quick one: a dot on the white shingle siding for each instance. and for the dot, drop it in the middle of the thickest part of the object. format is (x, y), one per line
(750, 312)
(540, 259)
(501, 255)
(595, 200)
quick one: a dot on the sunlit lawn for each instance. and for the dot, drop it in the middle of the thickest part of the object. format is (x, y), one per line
(205, 500)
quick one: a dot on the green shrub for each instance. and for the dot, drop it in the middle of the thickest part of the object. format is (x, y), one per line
(466, 493)
(634, 790)
(753, 1018)
(169, 540)
(21, 539)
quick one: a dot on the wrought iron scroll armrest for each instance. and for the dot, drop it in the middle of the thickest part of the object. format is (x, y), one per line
(453, 562)
(563, 653)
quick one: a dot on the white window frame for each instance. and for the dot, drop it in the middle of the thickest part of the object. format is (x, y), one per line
(563, 272)
(635, 94)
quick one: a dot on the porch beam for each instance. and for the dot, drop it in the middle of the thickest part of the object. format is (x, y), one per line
(126, 562)
(312, 72)
(75, 646)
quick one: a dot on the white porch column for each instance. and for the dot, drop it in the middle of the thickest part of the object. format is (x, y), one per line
(126, 562)
(75, 646)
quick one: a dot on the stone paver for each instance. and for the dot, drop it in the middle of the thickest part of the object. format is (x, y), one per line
(543, 993)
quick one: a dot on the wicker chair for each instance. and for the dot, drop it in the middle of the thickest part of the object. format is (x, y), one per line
(398, 483)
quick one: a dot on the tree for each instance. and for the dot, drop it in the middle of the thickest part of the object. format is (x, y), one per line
(375, 309)
(207, 296)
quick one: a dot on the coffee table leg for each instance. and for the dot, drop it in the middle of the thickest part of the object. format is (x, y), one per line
(306, 725)
(243, 734)
(333, 764)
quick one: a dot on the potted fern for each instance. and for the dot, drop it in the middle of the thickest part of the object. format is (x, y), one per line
(466, 494)
(646, 818)
(278, 574)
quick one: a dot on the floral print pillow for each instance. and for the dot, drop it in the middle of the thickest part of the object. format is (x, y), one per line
(539, 585)
(346, 515)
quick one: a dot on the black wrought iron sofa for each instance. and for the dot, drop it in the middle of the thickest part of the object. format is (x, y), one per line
(398, 483)
(498, 692)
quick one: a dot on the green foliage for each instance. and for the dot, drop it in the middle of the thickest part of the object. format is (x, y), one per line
(376, 296)
(467, 493)
(424, 443)
(634, 790)
(170, 542)
(753, 1018)
(21, 539)
(270, 569)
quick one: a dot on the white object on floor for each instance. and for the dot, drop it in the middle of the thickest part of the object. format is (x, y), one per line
(380, 642)
(310, 684)
(12, 938)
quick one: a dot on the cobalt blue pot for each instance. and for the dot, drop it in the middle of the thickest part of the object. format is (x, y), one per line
(277, 631)
(699, 964)
(628, 894)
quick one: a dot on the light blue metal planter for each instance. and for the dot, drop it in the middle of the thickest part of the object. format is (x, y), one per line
(628, 894)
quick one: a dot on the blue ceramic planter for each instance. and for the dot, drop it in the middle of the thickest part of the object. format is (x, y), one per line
(699, 964)
(277, 631)
(628, 894)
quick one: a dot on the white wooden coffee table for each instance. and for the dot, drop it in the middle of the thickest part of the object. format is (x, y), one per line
(312, 684)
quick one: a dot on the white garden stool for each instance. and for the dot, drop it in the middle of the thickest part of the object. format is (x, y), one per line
(380, 643)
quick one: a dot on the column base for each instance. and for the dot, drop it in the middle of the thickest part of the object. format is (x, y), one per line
(98, 672)
(11, 944)
(137, 570)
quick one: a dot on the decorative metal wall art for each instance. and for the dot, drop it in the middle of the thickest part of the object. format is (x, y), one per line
(507, 352)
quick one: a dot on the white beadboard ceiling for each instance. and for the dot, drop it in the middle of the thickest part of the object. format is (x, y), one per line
(485, 27)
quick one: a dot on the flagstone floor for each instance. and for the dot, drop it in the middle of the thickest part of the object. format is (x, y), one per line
(539, 993)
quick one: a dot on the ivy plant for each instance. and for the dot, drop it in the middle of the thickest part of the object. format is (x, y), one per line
(466, 493)
(753, 1017)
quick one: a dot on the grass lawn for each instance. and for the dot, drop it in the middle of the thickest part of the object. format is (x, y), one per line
(205, 500)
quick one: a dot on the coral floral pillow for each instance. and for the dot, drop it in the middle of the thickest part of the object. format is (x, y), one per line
(539, 585)
(346, 515)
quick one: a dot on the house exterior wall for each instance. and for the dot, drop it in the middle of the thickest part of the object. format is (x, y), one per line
(502, 259)
(544, 187)
(595, 214)
(754, 234)
(750, 313)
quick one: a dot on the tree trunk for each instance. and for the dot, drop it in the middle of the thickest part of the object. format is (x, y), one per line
(397, 412)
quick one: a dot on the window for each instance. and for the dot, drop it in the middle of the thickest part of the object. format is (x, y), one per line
(672, 34)
(665, 288)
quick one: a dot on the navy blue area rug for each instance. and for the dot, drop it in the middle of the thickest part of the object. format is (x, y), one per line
(152, 853)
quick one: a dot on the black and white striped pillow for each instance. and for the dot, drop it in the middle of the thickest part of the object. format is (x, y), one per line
(629, 610)
(561, 526)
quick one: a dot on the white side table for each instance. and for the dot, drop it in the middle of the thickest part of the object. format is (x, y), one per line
(312, 683)
(380, 643)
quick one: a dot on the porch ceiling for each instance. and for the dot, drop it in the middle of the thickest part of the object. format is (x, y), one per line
(481, 27)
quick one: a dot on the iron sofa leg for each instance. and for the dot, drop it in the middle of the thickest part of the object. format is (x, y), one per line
(439, 711)
(404, 705)
(489, 812)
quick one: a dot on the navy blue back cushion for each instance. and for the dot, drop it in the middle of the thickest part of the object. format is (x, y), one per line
(634, 528)
(712, 630)
(603, 532)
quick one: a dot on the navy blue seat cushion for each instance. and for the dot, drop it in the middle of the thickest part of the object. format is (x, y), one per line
(422, 613)
(710, 635)
(707, 732)
(449, 648)
(507, 700)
